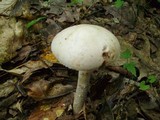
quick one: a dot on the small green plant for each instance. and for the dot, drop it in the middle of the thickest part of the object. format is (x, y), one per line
(118, 3)
(146, 84)
(33, 22)
(74, 2)
(130, 66)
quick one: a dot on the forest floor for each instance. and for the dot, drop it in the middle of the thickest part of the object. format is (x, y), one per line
(35, 86)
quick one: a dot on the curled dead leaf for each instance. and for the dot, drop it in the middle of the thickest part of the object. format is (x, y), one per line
(38, 89)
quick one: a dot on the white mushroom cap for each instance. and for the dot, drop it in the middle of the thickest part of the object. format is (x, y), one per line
(85, 47)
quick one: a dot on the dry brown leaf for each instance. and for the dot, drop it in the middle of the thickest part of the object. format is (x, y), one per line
(70, 15)
(38, 89)
(50, 111)
(66, 17)
(59, 89)
(28, 68)
(23, 53)
(7, 87)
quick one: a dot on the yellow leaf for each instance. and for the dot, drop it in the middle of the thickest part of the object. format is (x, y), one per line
(49, 56)
(59, 112)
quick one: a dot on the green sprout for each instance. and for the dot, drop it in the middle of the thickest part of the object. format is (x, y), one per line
(33, 22)
(118, 3)
(143, 86)
(126, 54)
(151, 79)
(146, 84)
(74, 2)
(129, 66)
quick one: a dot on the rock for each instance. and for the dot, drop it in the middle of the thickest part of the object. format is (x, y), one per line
(11, 36)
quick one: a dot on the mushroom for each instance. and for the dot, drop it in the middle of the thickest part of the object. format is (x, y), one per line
(85, 48)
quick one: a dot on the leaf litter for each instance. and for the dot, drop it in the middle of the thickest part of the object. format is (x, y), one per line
(35, 86)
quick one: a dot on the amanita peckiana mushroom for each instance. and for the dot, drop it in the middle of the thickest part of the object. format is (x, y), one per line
(85, 48)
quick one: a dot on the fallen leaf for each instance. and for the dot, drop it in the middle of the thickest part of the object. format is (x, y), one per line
(25, 70)
(59, 111)
(50, 111)
(7, 87)
(6, 6)
(37, 90)
(66, 17)
(23, 53)
(48, 56)
(59, 89)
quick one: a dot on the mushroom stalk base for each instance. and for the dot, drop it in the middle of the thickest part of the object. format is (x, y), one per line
(81, 91)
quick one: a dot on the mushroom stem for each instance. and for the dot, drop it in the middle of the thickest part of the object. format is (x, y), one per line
(81, 91)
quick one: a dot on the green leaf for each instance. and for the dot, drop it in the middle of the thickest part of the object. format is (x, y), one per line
(151, 79)
(143, 86)
(31, 23)
(79, 1)
(118, 3)
(131, 67)
(126, 54)
(76, 2)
